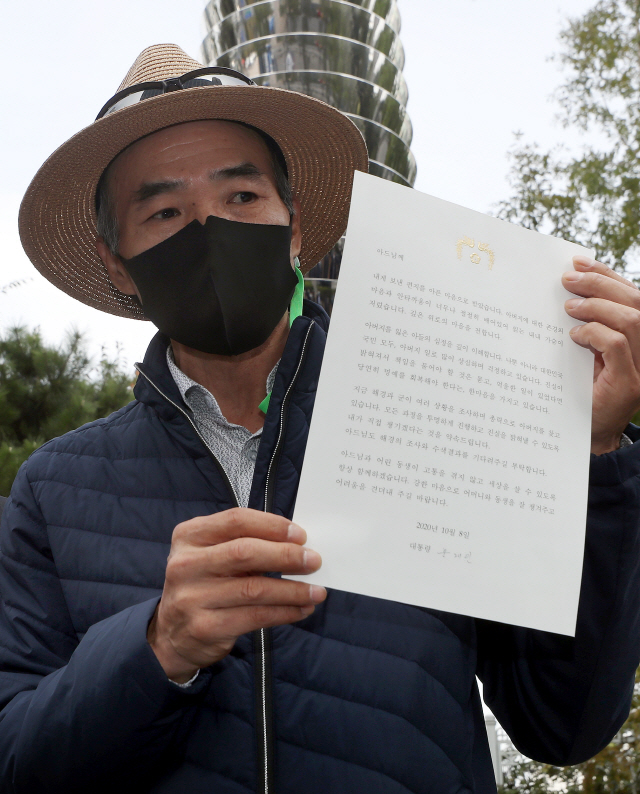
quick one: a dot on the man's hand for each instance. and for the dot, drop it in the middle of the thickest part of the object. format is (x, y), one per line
(214, 591)
(610, 307)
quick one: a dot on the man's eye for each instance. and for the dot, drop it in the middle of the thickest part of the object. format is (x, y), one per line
(165, 214)
(245, 197)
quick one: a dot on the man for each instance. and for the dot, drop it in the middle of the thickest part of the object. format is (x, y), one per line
(122, 671)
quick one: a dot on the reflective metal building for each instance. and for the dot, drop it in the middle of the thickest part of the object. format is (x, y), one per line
(348, 54)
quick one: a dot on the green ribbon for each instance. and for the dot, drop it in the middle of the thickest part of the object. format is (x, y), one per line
(295, 311)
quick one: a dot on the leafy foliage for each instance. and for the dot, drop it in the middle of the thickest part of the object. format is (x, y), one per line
(46, 391)
(592, 199)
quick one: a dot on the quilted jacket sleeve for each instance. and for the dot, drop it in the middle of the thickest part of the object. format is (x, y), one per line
(562, 699)
(93, 715)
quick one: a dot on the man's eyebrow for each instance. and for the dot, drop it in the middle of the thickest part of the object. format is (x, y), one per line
(148, 190)
(247, 170)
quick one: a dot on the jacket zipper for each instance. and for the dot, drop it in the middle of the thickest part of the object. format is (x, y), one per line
(198, 433)
(262, 637)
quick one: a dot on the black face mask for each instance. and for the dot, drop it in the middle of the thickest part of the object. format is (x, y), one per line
(221, 287)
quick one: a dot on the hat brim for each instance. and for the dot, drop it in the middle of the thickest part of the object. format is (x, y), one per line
(57, 221)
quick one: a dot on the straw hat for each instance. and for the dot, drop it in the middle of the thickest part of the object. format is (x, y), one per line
(321, 146)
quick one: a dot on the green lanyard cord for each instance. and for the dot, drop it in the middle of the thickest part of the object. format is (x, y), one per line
(295, 311)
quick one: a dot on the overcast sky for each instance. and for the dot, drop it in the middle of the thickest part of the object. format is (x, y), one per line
(477, 70)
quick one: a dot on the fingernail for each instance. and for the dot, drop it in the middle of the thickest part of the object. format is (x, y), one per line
(317, 593)
(574, 303)
(306, 610)
(573, 276)
(584, 261)
(574, 329)
(296, 534)
(311, 559)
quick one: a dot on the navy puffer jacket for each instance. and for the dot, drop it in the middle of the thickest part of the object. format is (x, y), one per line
(365, 695)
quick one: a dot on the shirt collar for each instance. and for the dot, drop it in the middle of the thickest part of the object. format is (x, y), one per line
(187, 387)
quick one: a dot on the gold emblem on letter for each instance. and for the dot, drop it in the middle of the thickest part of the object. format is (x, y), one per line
(461, 243)
(492, 257)
(474, 257)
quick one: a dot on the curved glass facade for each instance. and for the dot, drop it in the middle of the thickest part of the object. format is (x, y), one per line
(348, 54)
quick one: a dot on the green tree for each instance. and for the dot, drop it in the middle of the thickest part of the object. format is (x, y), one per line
(593, 198)
(615, 770)
(46, 391)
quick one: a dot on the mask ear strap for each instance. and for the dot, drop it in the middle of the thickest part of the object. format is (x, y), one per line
(295, 311)
(295, 308)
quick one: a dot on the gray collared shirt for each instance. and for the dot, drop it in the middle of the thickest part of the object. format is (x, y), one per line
(235, 447)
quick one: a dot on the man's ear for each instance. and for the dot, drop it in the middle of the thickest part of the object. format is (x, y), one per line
(118, 274)
(296, 231)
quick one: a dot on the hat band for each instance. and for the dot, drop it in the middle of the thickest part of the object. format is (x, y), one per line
(208, 76)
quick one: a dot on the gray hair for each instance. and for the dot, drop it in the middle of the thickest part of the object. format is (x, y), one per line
(106, 218)
(107, 221)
